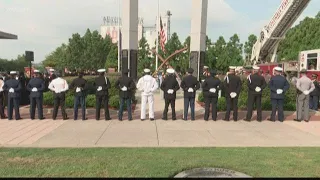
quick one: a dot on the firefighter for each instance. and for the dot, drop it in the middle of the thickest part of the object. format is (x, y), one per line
(314, 95)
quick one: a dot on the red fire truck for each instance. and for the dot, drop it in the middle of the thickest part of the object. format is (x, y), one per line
(310, 60)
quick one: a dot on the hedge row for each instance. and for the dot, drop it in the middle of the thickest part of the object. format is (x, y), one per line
(290, 99)
(91, 98)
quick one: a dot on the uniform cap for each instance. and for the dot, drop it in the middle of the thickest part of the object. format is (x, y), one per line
(205, 67)
(232, 67)
(101, 70)
(36, 71)
(13, 72)
(256, 67)
(51, 70)
(279, 69)
(146, 70)
(190, 70)
(170, 71)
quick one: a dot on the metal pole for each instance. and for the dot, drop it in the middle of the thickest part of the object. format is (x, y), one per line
(158, 32)
(30, 65)
(119, 43)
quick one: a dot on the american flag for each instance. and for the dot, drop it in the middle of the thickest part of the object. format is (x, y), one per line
(163, 38)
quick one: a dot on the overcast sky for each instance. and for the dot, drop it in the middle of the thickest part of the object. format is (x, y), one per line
(42, 25)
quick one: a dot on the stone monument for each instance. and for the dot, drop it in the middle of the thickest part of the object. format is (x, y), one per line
(211, 173)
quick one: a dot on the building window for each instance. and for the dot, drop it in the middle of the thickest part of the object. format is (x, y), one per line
(312, 63)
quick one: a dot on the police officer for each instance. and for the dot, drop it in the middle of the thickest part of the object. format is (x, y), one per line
(170, 86)
(210, 88)
(79, 85)
(232, 84)
(59, 86)
(36, 87)
(189, 85)
(126, 88)
(256, 84)
(305, 87)
(314, 95)
(278, 86)
(13, 86)
(102, 85)
(2, 97)
(147, 85)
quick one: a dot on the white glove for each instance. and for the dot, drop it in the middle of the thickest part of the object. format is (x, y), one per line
(34, 89)
(306, 93)
(258, 89)
(190, 90)
(78, 89)
(279, 91)
(233, 95)
(124, 88)
(99, 88)
(170, 91)
(213, 90)
(11, 90)
(1, 89)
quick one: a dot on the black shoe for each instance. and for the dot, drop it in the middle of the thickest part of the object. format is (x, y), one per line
(65, 118)
(130, 119)
(235, 120)
(206, 119)
(142, 119)
(259, 120)
(271, 120)
(165, 119)
(247, 120)
(108, 119)
(10, 119)
(120, 119)
(306, 121)
(173, 119)
(43, 118)
(184, 119)
(297, 120)
(18, 119)
(97, 119)
(32, 119)
(226, 120)
(152, 119)
(84, 119)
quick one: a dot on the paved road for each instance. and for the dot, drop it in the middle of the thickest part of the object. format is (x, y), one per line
(159, 133)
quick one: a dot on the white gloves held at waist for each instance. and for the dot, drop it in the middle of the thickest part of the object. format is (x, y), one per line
(306, 92)
(99, 88)
(11, 90)
(233, 95)
(170, 91)
(78, 89)
(190, 90)
(213, 90)
(279, 91)
(124, 89)
(34, 89)
(258, 89)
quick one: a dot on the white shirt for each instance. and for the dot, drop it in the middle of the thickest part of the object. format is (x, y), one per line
(58, 85)
(147, 85)
(1, 85)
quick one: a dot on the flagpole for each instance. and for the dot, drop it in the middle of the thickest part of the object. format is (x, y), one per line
(119, 43)
(158, 33)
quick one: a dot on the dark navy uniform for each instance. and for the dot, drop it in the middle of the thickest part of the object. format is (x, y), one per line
(13, 97)
(36, 87)
(256, 84)
(102, 96)
(189, 85)
(278, 82)
(170, 83)
(314, 95)
(126, 88)
(2, 97)
(210, 88)
(79, 85)
(232, 84)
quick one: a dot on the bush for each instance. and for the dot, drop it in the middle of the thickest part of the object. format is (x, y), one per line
(290, 99)
(90, 99)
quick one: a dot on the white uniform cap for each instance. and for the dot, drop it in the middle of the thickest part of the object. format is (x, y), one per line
(36, 71)
(101, 70)
(205, 67)
(51, 70)
(256, 67)
(170, 71)
(146, 70)
(232, 67)
(279, 69)
(13, 72)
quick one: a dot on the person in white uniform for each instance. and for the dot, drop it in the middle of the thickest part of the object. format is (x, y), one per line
(147, 85)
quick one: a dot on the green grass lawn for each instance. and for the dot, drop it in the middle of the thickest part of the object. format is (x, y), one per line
(157, 162)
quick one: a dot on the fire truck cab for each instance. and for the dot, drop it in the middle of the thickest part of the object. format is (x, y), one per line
(310, 60)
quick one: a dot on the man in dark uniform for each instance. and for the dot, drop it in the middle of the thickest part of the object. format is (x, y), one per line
(232, 84)
(2, 97)
(59, 86)
(256, 84)
(278, 86)
(189, 85)
(314, 95)
(13, 87)
(46, 81)
(36, 88)
(170, 86)
(126, 88)
(102, 85)
(210, 88)
(79, 85)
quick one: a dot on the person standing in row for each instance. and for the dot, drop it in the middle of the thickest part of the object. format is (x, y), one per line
(79, 85)
(189, 85)
(2, 97)
(314, 95)
(13, 86)
(170, 86)
(256, 85)
(147, 85)
(232, 86)
(126, 88)
(36, 87)
(278, 86)
(210, 88)
(59, 87)
(102, 85)
(305, 87)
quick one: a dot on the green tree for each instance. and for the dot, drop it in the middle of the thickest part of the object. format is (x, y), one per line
(248, 45)
(234, 48)
(112, 59)
(144, 59)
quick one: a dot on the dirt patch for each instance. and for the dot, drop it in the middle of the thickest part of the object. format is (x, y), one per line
(21, 160)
